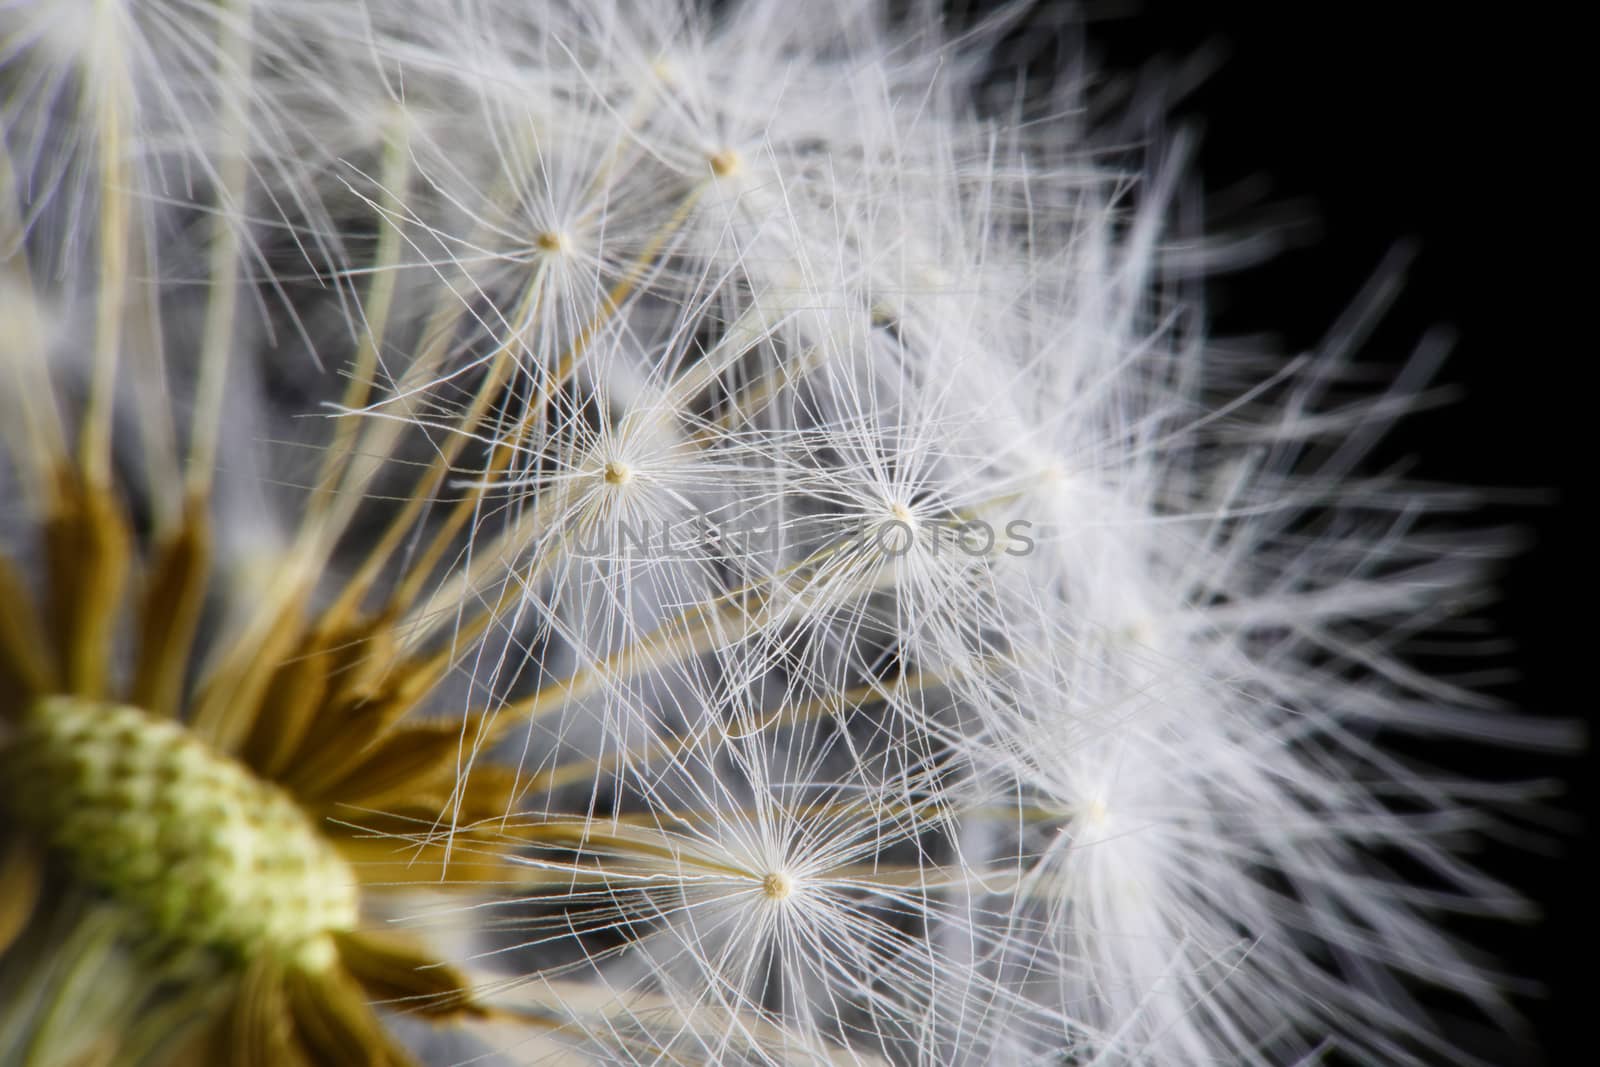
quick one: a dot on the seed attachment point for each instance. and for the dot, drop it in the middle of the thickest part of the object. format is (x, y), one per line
(777, 886)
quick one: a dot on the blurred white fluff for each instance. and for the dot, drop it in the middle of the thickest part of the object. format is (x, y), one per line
(864, 785)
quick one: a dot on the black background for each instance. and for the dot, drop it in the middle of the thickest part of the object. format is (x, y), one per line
(1379, 124)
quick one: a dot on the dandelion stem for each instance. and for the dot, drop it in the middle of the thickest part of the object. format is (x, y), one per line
(32, 422)
(217, 340)
(394, 179)
(111, 95)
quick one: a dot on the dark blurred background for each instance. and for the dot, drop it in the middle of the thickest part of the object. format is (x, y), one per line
(1352, 128)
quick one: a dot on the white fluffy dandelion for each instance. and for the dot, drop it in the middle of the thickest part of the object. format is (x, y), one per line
(646, 534)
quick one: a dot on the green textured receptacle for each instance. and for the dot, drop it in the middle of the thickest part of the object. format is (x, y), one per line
(203, 853)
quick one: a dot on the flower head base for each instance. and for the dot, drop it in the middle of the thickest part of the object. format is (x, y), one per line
(206, 855)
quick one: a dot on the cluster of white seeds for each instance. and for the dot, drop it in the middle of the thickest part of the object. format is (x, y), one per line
(915, 642)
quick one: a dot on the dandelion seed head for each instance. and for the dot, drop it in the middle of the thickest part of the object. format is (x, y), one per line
(506, 482)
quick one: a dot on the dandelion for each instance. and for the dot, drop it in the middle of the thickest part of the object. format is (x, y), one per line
(616, 532)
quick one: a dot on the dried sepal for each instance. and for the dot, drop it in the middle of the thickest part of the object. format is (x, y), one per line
(333, 1023)
(26, 664)
(168, 613)
(21, 878)
(87, 551)
(406, 762)
(259, 1029)
(404, 977)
